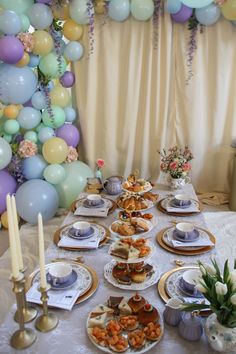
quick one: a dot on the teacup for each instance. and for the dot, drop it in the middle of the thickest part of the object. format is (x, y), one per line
(190, 278)
(182, 199)
(81, 228)
(94, 199)
(185, 230)
(59, 273)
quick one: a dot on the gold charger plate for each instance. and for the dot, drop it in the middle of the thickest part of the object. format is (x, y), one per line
(163, 210)
(112, 208)
(56, 238)
(86, 295)
(161, 242)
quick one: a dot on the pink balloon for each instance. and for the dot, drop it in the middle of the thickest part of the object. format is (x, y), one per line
(69, 133)
(183, 15)
(11, 49)
(7, 185)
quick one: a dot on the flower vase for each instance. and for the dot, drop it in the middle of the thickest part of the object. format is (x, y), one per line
(221, 338)
(177, 183)
(98, 174)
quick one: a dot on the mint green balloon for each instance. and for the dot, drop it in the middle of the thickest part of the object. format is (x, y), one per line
(7, 137)
(50, 67)
(11, 126)
(54, 173)
(76, 179)
(32, 136)
(142, 10)
(39, 127)
(19, 6)
(56, 119)
(25, 22)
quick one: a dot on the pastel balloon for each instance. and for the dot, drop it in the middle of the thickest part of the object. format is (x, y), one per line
(10, 22)
(119, 10)
(11, 111)
(11, 127)
(32, 136)
(54, 118)
(24, 60)
(69, 133)
(19, 6)
(50, 67)
(67, 79)
(61, 12)
(4, 220)
(55, 150)
(33, 167)
(7, 137)
(70, 114)
(36, 196)
(7, 186)
(76, 179)
(38, 100)
(5, 154)
(40, 16)
(208, 15)
(72, 30)
(34, 61)
(39, 127)
(173, 6)
(25, 22)
(17, 85)
(45, 134)
(142, 10)
(11, 49)
(183, 15)
(60, 96)
(229, 10)
(197, 3)
(29, 118)
(73, 51)
(78, 11)
(43, 42)
(54, 173)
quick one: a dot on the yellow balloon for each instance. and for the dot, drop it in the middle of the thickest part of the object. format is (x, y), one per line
(100, 7)
(72, 30)
(229, 10)
(60, 96)
(11, 111)
(55, 150)
(24, 60)
(43, 42)
(61, 12)
(4, 220)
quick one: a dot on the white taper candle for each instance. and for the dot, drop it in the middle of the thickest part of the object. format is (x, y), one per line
(17, 234)
(12, 241)
(43, 282)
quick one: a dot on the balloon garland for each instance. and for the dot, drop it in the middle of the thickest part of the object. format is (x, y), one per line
(38, 40)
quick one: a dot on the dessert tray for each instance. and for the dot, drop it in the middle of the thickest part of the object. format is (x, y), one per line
(135, 202)
(125, 325)
(135, 227)
(140, 186)
(149, 275)
(128, 250)
(109, 203)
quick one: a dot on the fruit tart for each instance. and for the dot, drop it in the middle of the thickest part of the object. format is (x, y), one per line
(137, 339)
(153, 331)
(129, 322)
(118, 343)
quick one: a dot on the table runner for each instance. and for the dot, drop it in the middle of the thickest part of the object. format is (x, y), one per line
(70, 335)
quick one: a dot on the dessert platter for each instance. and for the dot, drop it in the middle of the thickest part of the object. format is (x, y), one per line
(125, 325)
(179, 205)
(136, 185)
(136, 202)
(131, 276)
(125, 216)
(130, 250)
(105, 203)
(135, 227)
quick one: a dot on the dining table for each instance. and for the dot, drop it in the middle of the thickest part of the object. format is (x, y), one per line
(70, 335)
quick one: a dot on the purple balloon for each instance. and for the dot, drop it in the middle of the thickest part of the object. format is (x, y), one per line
(11, 49)
(28, 104)
(18, 138)
(69, 133)
(43, 1)
(183, 15)
(7, 185)
(67, 79)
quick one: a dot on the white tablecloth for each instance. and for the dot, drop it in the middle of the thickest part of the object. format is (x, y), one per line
(70, 335)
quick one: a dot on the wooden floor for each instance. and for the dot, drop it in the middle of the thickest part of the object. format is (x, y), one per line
(4, 242)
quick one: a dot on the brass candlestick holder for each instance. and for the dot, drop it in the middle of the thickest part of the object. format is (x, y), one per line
(29, 312)
(23, 337)
(48, 320)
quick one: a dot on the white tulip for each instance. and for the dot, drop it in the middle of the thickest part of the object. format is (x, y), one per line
(221, 289)
(200, 287)
(202, 269)
(232, 276)
(210, 269)
(233, 299)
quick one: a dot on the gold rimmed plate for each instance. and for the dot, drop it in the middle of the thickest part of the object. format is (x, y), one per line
(87, 294)
(57, 237)
(112, 208)
(184, 252)
(180, 213)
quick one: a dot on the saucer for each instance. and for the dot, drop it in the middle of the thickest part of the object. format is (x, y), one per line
(186, 206)
(89, 234)
(195, 235)
(185, 291)
(87, 205)
(66, 284)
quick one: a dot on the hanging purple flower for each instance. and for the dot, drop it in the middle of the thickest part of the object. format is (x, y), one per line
(193, 26)
(15, 169)
(90, 11)
(158, 10)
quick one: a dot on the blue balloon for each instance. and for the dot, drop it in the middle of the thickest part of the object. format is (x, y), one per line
(79, 11)
(34, 60)
(17, 85)
(10, 22)
(70, 114)
(33, 167)
(45, 134)
(40, 16)
(38, 100)
(173, 6)
(36, 196)
(73, 51)
(29, 118)
(196, 3)
(208, 15)
(119, 10)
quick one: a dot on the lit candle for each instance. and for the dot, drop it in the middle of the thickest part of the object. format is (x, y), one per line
(43, 282)
(14, 259)
(17, 234)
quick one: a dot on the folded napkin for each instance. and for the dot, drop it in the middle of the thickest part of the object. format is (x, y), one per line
(99, 212)
(91, 242)
(195, 300)
(63, 299)
(201, 242)
(214, 198)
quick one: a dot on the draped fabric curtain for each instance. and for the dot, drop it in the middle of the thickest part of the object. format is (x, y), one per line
(133, 100)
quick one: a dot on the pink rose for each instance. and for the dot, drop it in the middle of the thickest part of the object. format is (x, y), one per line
(100, 163)
(173, 165)
(186, 166)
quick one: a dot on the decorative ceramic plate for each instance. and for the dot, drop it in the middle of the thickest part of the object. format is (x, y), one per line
(108, 202)
(134, 260)
(150, 280)
(162, 205)
(136, 235)
(168, 237)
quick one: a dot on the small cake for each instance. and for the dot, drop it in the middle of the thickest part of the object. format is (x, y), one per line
(114, 301)
(124, 307)
(140, 224)
(120, 269)
(122, 253)
(98, 321)
(137, 339)
(124, 279)
(136, 303)
(138, 274)
(148, 314)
